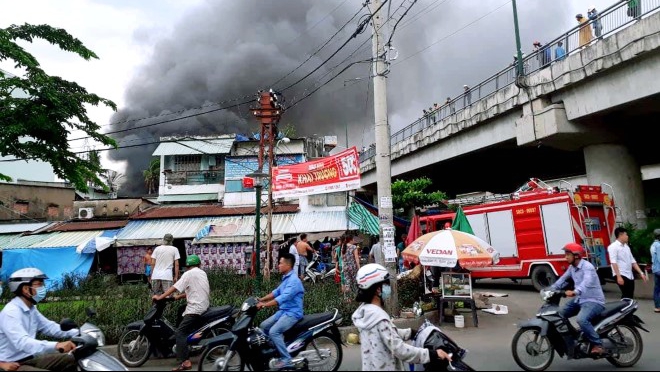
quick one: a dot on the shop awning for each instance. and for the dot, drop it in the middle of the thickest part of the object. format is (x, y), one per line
(98, 243)
(151, 232)
(21, 227)
(241, 228)
(367, 222)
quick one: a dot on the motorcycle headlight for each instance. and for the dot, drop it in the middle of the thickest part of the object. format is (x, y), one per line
(98, 335)
(245, 307)
(91, 365)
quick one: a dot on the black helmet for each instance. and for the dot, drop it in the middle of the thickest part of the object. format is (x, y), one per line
(656, 233)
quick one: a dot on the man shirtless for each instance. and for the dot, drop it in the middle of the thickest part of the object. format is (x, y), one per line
(303, 247)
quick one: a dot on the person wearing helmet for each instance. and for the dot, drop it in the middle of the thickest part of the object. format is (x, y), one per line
(655, 267)
(20, 321)
(587, 298)
(194, 287)
(382, 344)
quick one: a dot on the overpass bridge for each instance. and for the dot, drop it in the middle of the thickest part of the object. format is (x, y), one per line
(590, 112)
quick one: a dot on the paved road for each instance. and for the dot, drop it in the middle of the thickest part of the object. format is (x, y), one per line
(490, 344)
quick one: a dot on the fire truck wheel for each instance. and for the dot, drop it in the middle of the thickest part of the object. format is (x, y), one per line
(543, 277)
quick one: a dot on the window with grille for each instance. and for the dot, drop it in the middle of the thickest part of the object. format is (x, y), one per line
(336, 199)
(317, 200)
(187, 162)
(218, 164)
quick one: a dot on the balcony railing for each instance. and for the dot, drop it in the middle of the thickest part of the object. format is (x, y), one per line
(612, 19)
(205, 177)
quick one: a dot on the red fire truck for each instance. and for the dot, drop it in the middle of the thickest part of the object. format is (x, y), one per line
(530, 227)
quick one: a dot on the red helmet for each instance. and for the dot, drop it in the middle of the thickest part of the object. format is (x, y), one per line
(575, 248)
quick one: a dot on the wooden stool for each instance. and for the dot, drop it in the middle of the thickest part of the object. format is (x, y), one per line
(442, 300)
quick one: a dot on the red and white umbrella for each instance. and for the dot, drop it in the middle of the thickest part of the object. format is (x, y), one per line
(447, 248)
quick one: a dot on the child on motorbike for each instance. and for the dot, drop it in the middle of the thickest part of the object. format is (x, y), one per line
(383, 346)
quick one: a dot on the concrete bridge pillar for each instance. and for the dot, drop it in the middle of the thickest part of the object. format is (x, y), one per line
(614, 165)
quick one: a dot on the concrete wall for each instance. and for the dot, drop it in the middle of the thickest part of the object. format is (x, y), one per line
(42, 203)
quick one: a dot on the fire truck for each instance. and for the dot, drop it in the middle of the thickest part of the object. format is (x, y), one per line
(530, 227)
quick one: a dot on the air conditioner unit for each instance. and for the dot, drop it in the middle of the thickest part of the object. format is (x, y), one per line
(85, 213)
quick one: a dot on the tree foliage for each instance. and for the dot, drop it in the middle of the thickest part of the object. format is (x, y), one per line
(413, 193)
(152, 175)
(39, 111)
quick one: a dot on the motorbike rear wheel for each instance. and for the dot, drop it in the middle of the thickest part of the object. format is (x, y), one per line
(220, 358)
(133, 349)
(631, 337)
(528, 344)
(323, 353)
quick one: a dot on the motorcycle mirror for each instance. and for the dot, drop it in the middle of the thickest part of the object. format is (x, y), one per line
(67, 325)
(91, 313)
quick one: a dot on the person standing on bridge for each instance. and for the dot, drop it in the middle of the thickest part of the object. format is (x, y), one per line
(560, 52)
(468, 95)
(585, 30)
(593, 15)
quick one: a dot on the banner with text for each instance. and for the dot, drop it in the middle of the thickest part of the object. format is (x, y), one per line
(340, 172)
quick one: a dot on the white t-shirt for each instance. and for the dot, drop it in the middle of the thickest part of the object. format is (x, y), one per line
(620, 254)
(377, 253)
(294, 251)
(164, 256)
(195, 284)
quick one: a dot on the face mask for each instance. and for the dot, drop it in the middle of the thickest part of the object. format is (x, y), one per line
(386, 292)
(41, 294)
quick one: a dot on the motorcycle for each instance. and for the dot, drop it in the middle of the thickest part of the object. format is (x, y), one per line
(89, 339)
(534, 344)
(314, 343)
(155, 335)
(317, 270)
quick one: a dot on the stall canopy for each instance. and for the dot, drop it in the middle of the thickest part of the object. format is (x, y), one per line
(151, 232)
(98, 243)
(241, 228)
(54, 254)
(398, 221)
(366, 222)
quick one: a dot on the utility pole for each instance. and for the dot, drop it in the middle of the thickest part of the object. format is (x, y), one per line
(520, 72)
(382, 134)
(268, 113)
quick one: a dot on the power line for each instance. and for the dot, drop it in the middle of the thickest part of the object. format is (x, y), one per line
(453, 33)
(389, 41)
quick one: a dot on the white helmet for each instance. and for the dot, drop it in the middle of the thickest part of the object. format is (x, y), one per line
(370, 275)
(591, 8)
(24, 276)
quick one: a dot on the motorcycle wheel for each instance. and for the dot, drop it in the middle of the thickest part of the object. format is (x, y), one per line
(133, 349)
(219, 358)
(214, 332)
(528, 344)
(633, 340)
(314, 353)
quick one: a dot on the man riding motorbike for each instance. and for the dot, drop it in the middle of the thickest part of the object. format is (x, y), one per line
(383, 346)
(289, 298)
(20, 321)
(588, 299)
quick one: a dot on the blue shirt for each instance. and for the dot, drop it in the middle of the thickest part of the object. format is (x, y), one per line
(587, 283)
(19, 325)
(655, 257)
(560, 53)
(289, 296)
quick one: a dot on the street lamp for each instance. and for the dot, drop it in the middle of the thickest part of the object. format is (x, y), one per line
(259, 178)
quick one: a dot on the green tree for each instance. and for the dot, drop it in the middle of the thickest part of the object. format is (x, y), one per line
(36, 124)
(152, 175)
(411, 194)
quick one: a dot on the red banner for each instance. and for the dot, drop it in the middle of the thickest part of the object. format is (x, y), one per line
(340, 172)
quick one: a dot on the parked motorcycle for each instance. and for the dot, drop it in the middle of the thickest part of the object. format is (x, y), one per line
(88, 341)
(317, 270)
(155, 335)
(534, 344)
(314, 343)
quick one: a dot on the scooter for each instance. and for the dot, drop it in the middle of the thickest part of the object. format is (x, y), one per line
(314, 343)
(317, 270)
(536, 341)
(88, 341)
(155, 335)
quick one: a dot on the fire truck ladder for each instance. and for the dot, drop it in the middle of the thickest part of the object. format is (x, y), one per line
(480, 199)
(589, 242)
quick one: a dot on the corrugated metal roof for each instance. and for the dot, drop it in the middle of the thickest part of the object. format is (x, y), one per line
(21, 227)
(207, 210)
(67, 239)
(195, 147)
(89, 225)
(7, 238)
(27, 241)
(151, 232)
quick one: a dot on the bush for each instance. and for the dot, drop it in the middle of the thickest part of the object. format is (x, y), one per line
(640, 240)
(118, 305)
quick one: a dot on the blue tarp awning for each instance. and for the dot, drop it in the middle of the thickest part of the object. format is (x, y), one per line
(99, 243)
(55, 262)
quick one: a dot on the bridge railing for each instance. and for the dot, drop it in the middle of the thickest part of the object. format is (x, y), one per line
(609, 21)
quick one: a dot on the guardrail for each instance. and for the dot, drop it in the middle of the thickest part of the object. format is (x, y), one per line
(608, 22)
